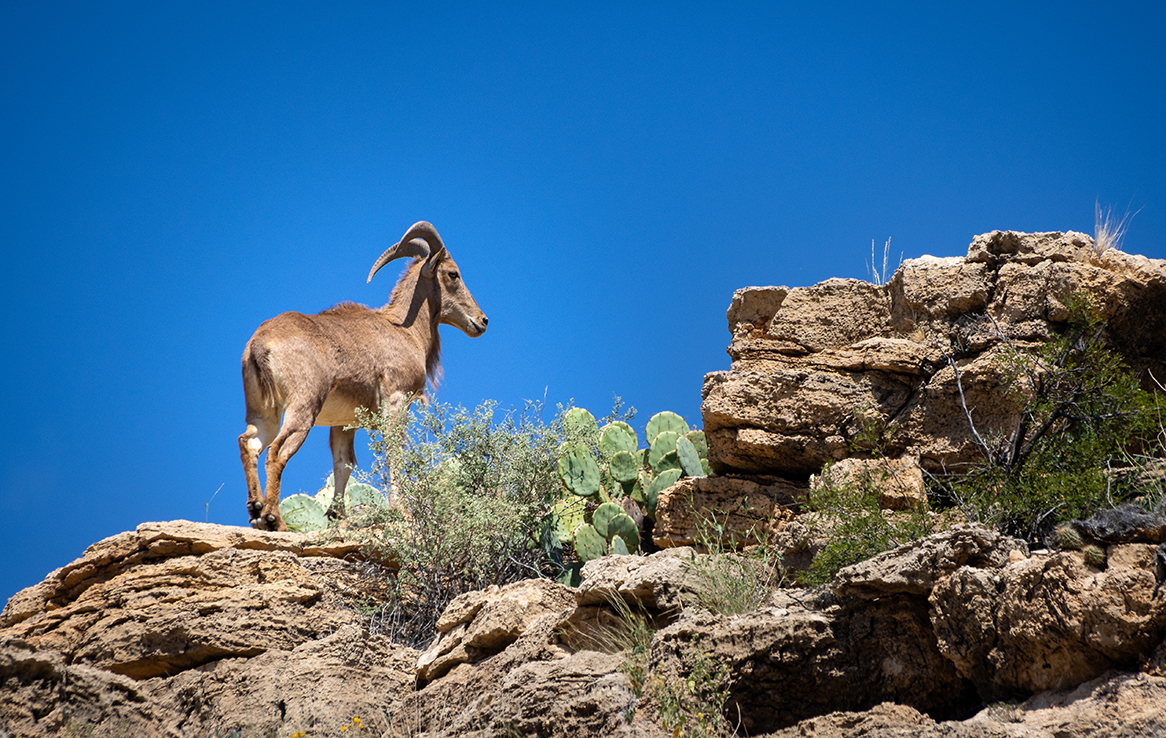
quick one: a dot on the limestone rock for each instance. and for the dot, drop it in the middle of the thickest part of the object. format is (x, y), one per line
(534, 686)
(748, 510)
(1119, 705)
(899, 481)
(1049, 622)
(321, 684)
(477, 625)
(40, 694)
(787, 664)
(916, 567)
(183, 628)
(169, 614)
(653, 582)
(844, 352)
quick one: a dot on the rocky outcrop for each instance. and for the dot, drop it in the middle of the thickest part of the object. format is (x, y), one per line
(1049, 622)
(816, 368)
(917, 640)
(1115, 706)
(183, 628)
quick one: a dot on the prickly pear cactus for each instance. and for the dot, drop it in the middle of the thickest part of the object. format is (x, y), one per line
(588, 543)
(580, 423)
(661, 482)
(616, 437)
(624, 467)
(603, 515)
(623, 530)
(302, 513)
(666, 421)
(606, 465)
(568, 516)
(662, 454)
(358, 494)
(578, 470)
(689, 458)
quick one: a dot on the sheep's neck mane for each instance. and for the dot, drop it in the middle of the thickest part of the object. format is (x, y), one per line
(415, 297)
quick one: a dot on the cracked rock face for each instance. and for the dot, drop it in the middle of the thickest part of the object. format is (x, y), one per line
(183, 628)
(814, 366)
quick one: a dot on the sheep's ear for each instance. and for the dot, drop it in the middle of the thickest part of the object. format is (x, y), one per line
(431, 263)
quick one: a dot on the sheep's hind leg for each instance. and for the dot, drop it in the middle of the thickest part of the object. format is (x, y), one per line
(252, 441)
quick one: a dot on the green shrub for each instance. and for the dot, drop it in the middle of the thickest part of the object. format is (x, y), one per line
(472, 501)
(1083, 412)
(859, 529)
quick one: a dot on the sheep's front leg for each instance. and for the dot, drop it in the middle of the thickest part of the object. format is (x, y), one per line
(291, 437)
(342, 443)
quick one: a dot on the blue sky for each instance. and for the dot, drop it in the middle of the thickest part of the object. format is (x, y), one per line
(173, 174)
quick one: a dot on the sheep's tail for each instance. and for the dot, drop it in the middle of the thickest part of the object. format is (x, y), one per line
(257, 375)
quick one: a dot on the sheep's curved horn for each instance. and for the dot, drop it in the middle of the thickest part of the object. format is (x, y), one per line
(417, 241)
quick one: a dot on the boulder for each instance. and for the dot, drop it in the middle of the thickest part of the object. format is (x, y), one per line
(916, 567)
(477, 625)
(814, 367)
(183, 628)
(1049, 622)
(747, 511)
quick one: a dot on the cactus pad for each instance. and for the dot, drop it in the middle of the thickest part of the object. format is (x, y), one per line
(666, 421)
(624, 467)
(602, 516)
(326, 493)
(617, 437)
(588, 543)
(700, 441)
(568, 516)
(302, 513)
(578, 470)
(357, 494)
(663, 481)
(662, 455)
(689, 458)
(580, 424)
(619, 547)
(623, 529)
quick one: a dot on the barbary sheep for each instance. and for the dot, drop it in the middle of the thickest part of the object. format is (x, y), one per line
(317, 369)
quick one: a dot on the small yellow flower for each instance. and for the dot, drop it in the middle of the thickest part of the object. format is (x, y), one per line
(356, 721)
(343, 728)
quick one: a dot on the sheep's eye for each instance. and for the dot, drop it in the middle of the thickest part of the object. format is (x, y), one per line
(454, 276)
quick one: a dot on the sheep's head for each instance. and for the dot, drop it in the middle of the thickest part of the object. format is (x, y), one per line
(457, 306)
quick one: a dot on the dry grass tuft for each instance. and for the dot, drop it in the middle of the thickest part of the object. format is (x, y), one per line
(1108, 233)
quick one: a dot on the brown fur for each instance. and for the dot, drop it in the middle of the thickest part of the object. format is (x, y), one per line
(315, 369)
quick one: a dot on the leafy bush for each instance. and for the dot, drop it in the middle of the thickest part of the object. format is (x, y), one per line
(860, 528)
(472, 497)
(1083, 412)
